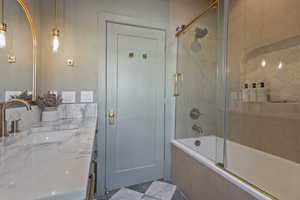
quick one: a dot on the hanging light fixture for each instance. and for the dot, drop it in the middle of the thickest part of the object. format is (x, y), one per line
(3, 28)
(55, 32)
(55, 42)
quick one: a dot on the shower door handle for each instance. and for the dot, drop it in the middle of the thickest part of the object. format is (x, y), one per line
(111, 117)
(177, 83)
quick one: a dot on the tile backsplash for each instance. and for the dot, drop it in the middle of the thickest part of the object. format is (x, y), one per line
(65, 111)
(77, 110)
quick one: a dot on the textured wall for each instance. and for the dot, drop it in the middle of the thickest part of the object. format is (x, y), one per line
(270, 32)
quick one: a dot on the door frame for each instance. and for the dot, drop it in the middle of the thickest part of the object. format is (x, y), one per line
(104, 18)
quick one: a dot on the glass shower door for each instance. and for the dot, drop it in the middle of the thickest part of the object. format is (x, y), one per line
(198, 121)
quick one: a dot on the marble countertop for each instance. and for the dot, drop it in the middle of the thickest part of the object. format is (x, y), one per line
(51, 161)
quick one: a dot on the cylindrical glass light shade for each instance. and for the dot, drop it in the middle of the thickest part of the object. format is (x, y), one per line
(3, 30)
(55, 41)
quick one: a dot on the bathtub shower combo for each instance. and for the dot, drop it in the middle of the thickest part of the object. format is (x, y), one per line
(237, 94)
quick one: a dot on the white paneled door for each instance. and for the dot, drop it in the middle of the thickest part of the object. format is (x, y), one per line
(135, 105)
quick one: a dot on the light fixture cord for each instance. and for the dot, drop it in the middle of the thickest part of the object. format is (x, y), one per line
(55, 5)
(2, 11)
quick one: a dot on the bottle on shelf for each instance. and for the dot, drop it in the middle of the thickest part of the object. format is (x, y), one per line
(246, 93)
(261, 93)
(253, 93)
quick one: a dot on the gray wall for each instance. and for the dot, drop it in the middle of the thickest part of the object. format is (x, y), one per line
(80, 35)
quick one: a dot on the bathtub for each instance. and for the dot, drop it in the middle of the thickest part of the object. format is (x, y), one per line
(272, 174)
(207, 148)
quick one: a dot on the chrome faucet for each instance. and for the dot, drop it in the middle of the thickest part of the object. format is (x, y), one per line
(4, 106)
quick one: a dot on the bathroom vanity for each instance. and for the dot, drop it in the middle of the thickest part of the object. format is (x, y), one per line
(53, 160)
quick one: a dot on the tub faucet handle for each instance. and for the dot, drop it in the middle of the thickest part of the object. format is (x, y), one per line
(195, 113)
(198, 129)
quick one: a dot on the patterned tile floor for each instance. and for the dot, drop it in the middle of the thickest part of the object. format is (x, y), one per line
(142, 188)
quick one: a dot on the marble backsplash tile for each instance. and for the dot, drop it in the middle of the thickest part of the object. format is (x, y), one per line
(66, 111)
(77, 110)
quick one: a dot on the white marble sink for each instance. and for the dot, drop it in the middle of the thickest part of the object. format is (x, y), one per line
(49, 137)
(48, 163)
(67, 124)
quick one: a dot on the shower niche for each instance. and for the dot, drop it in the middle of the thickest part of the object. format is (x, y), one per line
(270, 73)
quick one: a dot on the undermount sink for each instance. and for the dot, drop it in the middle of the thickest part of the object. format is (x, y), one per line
(56, 127)
(27, 143)
(49, 137)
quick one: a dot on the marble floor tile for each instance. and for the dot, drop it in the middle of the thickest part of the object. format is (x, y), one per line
(142, 188)
(179, 195)
(161, 190)
(149, 198)
(126, 194)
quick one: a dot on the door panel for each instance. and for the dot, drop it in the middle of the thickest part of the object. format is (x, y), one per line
(135, 93)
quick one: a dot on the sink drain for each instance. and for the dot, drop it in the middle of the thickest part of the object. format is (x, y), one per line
(197, 143)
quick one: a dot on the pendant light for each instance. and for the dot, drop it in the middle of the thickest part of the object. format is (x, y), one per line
(3, 28)
(55, 32)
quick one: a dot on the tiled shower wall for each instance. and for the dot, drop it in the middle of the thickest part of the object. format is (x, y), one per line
(261, 30)
(197, 62)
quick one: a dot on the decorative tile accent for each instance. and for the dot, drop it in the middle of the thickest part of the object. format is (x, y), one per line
(145, 56)
(131, 55)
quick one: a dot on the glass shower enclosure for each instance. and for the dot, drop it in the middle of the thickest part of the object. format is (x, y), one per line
(238, 93)
(199, 101)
